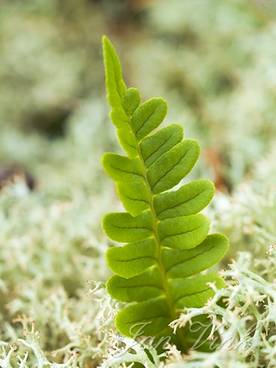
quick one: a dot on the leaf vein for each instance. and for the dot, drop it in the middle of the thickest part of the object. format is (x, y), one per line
(167, 172)
(191, 294)
(144, 122)
(133, 259)
(183, 232)
(131, 227)
(180, 203)
(188, 259)
(152, 153)
(136, 199)
(126, 171)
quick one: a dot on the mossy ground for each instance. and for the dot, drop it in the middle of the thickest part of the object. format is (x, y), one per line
(214, 62)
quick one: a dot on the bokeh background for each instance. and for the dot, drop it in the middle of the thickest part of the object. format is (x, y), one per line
(213, 60)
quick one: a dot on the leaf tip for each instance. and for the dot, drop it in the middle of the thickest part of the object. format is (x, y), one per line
(105, 41)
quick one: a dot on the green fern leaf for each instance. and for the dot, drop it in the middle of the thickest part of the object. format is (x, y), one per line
(159, 271)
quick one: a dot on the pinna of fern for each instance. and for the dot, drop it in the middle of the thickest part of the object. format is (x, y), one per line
(158, 272)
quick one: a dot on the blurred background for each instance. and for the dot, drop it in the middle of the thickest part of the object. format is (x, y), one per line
(213, 60)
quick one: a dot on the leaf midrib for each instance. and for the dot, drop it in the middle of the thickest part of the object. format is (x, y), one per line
(155, 221)
(182, 203)
(169, 170)
(181, 233)
(192, 294)
(189, 259)
(158, 148)
(125, 171)
(133, 259)
(144, 122)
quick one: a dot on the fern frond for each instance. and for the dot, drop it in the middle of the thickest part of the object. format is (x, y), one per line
(158, 271)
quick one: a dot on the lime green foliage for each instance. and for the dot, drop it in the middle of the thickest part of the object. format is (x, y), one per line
(157, 272)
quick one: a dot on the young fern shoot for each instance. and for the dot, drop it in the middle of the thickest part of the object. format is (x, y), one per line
(158, 272)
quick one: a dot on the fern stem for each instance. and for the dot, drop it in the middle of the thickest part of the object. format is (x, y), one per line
(173, 313)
